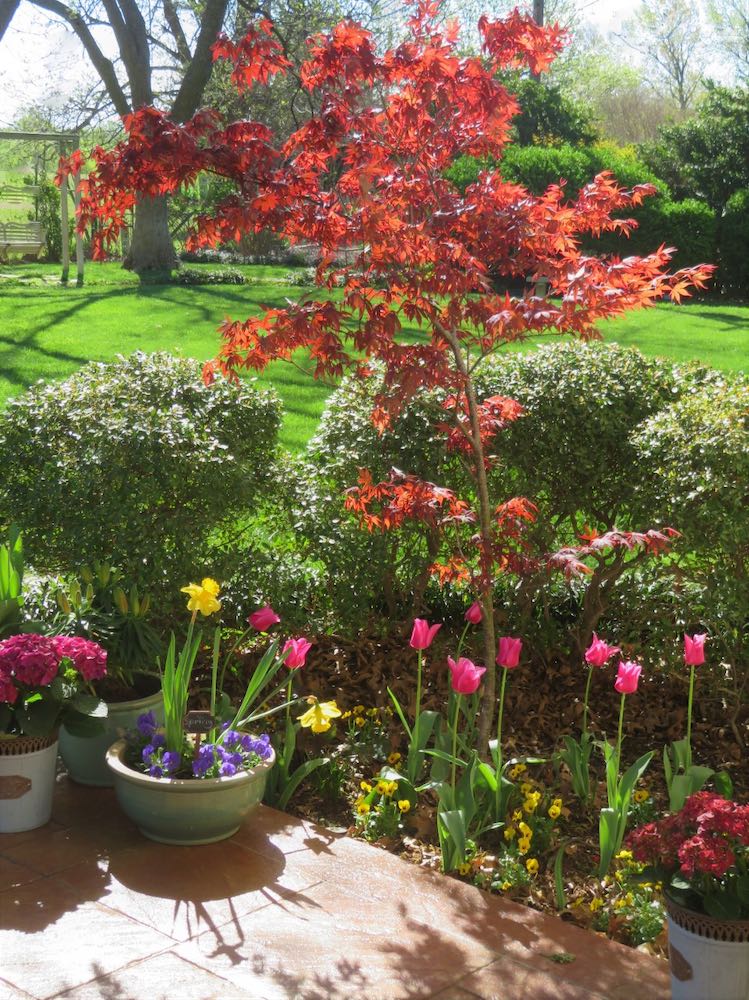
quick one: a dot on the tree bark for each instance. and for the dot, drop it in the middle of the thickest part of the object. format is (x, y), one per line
(151, 254)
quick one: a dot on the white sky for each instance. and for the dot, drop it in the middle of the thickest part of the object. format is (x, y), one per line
(42, 61)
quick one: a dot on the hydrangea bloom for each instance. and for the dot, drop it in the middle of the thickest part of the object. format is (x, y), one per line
(31, 660)
(8, 691)
(89, 659)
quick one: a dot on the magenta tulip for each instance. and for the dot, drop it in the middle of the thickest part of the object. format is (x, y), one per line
(264, 618)
(297, 650)
(509, 652)
(627, 677)
(694, 650)
(474, 614)
(423, 633)
(466, 676)
(598, 652)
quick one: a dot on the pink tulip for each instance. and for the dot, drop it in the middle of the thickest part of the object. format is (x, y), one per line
(466, 676)
(264, 618)
(298, 649)
(423, 633)
(627, 677)
(598, 652)
(509, 652)
(474, 614)
(694, 650)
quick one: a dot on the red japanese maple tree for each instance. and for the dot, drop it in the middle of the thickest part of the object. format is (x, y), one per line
(367, 174)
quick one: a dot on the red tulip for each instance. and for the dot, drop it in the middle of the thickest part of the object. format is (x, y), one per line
(694, 650)
(474, 614)
(509, 652)
(627, 677)
(264, 618)
(466, 676)
(298, 649)
(598, 652)
(423, 633)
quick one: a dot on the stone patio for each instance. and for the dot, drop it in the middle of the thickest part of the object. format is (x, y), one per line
(283, 911)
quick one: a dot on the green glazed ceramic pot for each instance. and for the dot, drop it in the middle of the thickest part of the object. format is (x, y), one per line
(86, 757)
(186, 811)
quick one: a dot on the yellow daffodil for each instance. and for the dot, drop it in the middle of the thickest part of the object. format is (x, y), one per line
(510, 833)
(404, 805)
(317, 718)
(394, 758)
(524, 845)
(532, 865)
(554, 812)
(202, 596)
(365, 786)
(642, 795)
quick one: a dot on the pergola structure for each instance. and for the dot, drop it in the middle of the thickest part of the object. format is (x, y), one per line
(66, 142)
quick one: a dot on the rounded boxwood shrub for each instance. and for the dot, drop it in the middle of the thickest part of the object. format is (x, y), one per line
(136, 462)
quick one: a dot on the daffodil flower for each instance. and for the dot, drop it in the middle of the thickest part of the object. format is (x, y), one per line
(202, 596)
(317, 718)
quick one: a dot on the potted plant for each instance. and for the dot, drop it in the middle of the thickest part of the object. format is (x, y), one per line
(701, 856)
(96, 606)
(178, 788)
(43, 683)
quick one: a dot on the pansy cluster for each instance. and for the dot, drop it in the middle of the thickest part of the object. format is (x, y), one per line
(233, 752)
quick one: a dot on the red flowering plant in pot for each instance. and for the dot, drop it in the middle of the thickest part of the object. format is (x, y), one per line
(700, 854)
(46, 681)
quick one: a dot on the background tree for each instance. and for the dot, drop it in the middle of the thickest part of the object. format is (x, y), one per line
(730, 23)
(669, 36)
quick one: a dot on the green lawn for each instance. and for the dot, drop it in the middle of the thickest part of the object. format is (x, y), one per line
(47, 331)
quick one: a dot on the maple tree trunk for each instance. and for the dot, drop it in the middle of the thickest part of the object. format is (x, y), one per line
(151, 250)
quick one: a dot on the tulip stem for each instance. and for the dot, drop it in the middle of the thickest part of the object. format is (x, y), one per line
(585, 701)
(455, 744)
(289, 692)
(416, 766)
(462, 639)
(619, 738)
(689, 716)
(499, 740)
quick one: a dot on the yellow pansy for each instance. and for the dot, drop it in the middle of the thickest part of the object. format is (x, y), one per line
(362, 807)
(394, 758)
(391, 788)
(595, 904)
(517, 815)
(360, 721)
(524, 845)
(532, 865)
(317, 718)
(365, 786)
(505, 886)
(404, 805)
(557, 802)
(202, 596)
(526, 830)
(465, 868)
(526, 788)
(642, 795)
(530, 805)
(510, 833)
(554, 812)
(381, 787)
(358, 709)
(624, 856)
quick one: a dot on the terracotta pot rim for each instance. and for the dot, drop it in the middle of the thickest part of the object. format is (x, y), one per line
(118, 767)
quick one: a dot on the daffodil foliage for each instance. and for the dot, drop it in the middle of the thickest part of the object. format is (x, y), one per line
(366, 175)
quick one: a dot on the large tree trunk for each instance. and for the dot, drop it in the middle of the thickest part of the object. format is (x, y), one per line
(151, 252)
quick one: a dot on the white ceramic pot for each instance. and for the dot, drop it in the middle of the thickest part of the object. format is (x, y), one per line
(709, 958)
(27, 782)
(186, 810)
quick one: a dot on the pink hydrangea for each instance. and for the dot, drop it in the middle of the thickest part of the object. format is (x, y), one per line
(89, 659)
(8, 691)
(29, 659)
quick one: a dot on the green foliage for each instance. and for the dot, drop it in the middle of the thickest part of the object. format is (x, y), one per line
(706, 156)
(733, 273)
(549, 117)
(136, 462)
(219, 276)
(48, 213)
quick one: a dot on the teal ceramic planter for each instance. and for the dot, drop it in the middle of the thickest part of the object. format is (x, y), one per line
(86, 757)
(186, 811)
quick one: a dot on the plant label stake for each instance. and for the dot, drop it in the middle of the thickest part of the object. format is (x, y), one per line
(197, 723)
